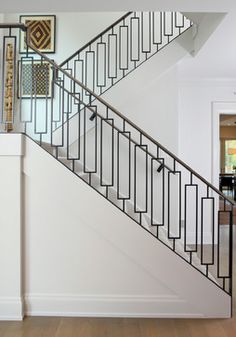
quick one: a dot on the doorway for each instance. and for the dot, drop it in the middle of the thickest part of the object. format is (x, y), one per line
(219, 110)
(227, 174)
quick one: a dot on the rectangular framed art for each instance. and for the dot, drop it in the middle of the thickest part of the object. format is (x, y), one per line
(34, 79)
(42, 32)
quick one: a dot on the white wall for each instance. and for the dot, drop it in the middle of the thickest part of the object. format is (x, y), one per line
(209, 77)
(11, 151)
(74, 29)
(195, 121)
(149, 95)
(83, 257)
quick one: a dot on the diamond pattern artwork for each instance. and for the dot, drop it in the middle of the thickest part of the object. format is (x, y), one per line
(42, 33)
(34, 79)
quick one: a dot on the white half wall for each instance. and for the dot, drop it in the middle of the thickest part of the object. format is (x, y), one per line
(84, 257)
(11, 302)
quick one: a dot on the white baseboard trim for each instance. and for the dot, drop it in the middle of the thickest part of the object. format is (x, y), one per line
(11, 309)
(108, 306)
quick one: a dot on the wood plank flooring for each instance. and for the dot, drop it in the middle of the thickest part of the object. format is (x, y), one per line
(118, 327)
(123, 327)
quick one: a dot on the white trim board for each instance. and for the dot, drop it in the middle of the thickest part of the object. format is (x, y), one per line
(108, 306)
(11, 309)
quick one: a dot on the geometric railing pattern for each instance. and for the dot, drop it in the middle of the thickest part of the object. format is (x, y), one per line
(126, 166)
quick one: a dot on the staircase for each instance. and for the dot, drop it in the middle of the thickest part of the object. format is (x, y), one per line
(124, 46)
(115, 157)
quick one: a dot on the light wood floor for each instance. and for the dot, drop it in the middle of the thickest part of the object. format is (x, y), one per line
(111, 327)
(123, 327)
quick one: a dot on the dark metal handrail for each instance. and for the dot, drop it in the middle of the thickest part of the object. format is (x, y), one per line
(95, 38)
(100, 99)
(21, 26)
(202, 192)
(58, 67)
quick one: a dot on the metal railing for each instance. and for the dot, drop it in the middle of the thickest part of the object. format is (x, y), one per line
(125, 165)
(123, 47)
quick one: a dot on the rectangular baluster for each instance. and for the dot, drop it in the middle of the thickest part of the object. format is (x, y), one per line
(57, 113)
(157, 27)
(157, 192)
(124, 47)
(79, 75)
(174, 205)
(112, 56)
(123, 165)
(179, 20)
(25, 106)
(40, 106)
(73, 131)
(191, 218)
(101, 64)
(68, 89)
(207, 230)
(140, 178)
(146, 32)
(79, 70)
(223, 247)
(89, 70)
(107, 152)
(56, 110)
(90, 143)
(168, 23)
(135, 39)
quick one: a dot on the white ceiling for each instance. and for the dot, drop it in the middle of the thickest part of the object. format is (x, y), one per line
(14, 6)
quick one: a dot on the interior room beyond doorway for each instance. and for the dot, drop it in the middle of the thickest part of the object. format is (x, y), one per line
(227, 179)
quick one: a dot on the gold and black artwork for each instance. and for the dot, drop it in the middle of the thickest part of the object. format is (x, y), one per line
(34, 79)
(9, 84)
(42, 33)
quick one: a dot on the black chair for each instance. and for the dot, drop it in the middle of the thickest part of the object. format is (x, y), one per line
(226, 182)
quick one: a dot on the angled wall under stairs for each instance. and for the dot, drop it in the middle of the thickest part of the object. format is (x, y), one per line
(85, 257)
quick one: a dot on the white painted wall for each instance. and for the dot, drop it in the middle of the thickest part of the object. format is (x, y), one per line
(149, 95)
(195, 120)
(83, 257)
(74, 29)
(209, 77)
(216, 59)
(11, 151)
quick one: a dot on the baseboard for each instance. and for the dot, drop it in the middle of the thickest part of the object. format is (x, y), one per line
(11, 309)
(108, 306)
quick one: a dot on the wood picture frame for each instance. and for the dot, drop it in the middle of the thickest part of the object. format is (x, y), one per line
(42, 33)
(34, 79)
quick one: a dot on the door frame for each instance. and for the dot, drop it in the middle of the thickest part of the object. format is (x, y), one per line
(218, 108)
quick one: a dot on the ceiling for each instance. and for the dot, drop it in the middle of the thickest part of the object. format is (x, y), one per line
(14, 6)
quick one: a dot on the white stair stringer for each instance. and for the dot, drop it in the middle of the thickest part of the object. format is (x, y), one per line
(179, 291)
(112, 196)
(129, 210)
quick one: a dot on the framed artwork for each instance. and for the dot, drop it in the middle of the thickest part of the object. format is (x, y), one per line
(42, 32)
(34, 79)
